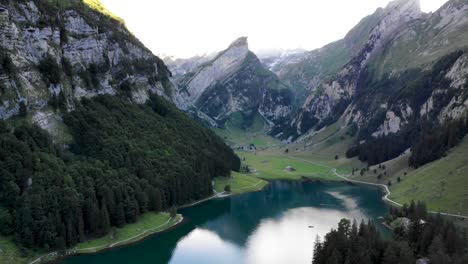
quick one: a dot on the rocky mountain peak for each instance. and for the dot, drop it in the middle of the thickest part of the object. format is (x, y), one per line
(234, 81)
(397, 14)
(452, 15)
(376, 32)
(413, 6)
(240, 42)
(222, 65)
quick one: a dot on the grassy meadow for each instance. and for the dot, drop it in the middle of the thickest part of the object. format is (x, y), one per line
(239, 183)
(147, 224)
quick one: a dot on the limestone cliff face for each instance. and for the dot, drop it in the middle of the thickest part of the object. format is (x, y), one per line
(224, 64)
(181, 66)
(333, 96)
(65, 50)
(433, 44)
(234, 81)
(394, 49)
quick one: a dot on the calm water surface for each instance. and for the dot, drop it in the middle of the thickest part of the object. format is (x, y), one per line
(266, 227)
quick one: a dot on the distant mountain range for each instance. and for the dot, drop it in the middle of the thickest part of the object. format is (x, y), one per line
(233, 81)
(383, 45)
(396, 69)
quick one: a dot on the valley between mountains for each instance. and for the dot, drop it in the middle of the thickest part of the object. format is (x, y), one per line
(102, 143)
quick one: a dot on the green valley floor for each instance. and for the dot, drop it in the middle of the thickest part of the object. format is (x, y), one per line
(442, 184)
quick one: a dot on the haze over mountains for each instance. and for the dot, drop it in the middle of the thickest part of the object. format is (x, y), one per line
(234, 81)
(356, 78)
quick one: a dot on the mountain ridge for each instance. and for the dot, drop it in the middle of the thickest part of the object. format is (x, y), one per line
(331, 96)
(233, 81)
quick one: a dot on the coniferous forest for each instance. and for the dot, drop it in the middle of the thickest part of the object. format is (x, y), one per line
(426, 236)
(126, 159)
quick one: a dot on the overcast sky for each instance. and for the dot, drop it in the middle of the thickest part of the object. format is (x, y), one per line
(185, 28)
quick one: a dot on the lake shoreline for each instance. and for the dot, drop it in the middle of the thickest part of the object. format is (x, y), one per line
(282, 199)
(305, 179)
(56, 258)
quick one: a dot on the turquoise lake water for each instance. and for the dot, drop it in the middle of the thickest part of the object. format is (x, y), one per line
(276, 225)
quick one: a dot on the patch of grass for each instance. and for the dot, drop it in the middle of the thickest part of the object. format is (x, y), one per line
(324, 134)
(272, 167)
(397, 167)
(239, 132)
(101, 8)
(11, 254)
(322, 148)
(442, 184)
(239, 183)
(150, 222)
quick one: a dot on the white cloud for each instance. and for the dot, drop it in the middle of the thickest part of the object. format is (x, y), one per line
(186, 28)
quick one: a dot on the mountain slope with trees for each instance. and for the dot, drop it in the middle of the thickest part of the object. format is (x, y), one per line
(70, 69)
(127, 159)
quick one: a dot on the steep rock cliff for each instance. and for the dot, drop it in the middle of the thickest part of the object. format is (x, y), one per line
(402, 46)
(332, 97)
(234, 81)
(64, 50)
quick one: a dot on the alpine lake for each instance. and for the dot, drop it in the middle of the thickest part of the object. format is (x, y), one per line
(278, 224)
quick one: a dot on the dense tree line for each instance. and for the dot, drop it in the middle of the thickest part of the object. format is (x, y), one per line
(426, 236)
(421, 133)
(427, 139)
(434, 143)
(127, 159)
(382, 148)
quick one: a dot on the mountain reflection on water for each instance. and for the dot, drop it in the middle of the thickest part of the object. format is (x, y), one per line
(276, 225)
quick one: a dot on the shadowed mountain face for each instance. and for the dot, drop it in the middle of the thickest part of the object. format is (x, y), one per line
(233, 81)
(369, 77)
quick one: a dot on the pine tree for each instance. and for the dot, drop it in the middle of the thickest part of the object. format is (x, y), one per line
(92, 216)
(317, 251)
(437, 253)
(27, 238)
(155, 200)
(104, 221)
(335, 257)
(344, 227)
(390, 255)
(406, 255)
(120, 215)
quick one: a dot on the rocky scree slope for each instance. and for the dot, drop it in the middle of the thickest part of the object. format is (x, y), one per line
(234, 81)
